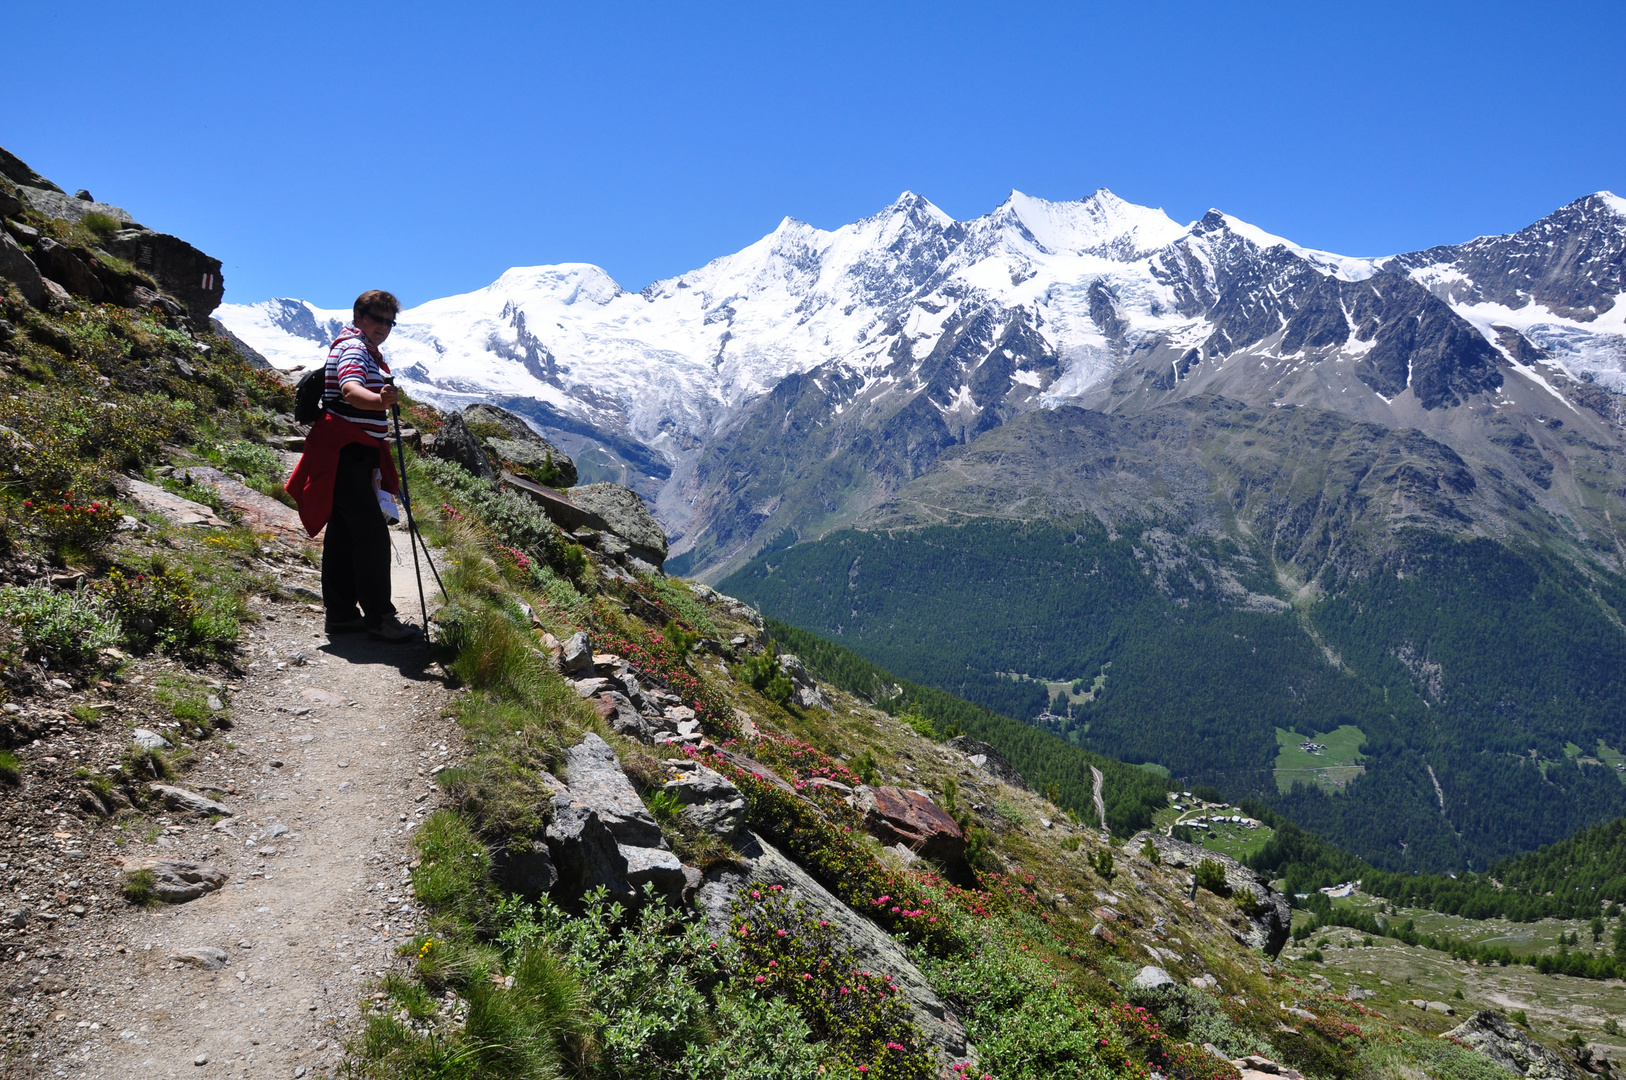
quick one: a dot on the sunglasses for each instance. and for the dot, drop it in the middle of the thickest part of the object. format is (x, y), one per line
(381, 320)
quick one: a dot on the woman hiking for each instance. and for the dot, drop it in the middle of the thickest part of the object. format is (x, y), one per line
(345, 464)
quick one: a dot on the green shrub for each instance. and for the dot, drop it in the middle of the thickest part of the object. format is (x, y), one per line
(11, 768)
(1149, 852)
(72, 530)
(65, 628)
(138, 888)
(1248, 904)
(160, 609)
(101, 225)
(1101, 863)
(1211, 876)
(918, 722)
(254, 460)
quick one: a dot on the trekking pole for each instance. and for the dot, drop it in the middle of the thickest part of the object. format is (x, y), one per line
(413, 540)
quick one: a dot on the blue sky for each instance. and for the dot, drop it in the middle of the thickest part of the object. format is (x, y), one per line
(320, 149)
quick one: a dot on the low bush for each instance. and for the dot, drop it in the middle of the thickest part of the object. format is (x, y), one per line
(72, 529)
(161, 609)
(787, 953)
(11, 768)
(66, 629)
(1211, 876)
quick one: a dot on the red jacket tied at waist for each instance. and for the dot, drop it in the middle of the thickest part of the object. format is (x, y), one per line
(311, 485)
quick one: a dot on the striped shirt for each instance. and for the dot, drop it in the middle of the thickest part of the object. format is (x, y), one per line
(350, 360)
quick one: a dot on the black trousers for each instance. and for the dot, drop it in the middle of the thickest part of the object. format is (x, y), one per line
(356, 552)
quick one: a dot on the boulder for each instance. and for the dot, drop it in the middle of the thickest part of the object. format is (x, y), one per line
(17, 268)
(179, 798)
(710, 800)
(585, 853)
(1152, 978)
(206, 957)
(625, 515)
(1495, 1036)
(1272, 917)
(10, 205)
(653, 866)
(519, 446)
(989, 760)
(148, 740)
(760, 863)
(576, 654)
(895, 816)
(454, 442)
(526, 868)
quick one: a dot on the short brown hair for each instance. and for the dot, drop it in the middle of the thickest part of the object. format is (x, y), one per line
(375, 300)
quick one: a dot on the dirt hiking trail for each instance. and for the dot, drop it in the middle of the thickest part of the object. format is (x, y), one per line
(335, 746)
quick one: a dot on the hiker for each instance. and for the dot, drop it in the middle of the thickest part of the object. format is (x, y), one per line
(345, 465)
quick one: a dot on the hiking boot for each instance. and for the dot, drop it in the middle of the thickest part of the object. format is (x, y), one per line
(344, 626)
(392, 629)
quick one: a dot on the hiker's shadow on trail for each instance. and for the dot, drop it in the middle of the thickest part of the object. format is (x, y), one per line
(411, 659)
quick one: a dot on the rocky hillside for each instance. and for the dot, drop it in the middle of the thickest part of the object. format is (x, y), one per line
(643, 839)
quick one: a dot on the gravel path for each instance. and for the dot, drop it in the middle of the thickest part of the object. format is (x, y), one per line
(327, 771)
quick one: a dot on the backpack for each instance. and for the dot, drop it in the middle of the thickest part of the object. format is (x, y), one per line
(308, 392)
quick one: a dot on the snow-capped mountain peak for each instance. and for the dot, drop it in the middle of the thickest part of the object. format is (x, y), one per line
(1100, 224)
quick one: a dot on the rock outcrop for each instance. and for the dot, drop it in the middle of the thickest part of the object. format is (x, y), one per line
(760, 863)
(989, 760)
(518, 446)
(601, 834)
(1494, 1035)
(1272, 918)
(17, 268)
(454, 442)
(625, 515)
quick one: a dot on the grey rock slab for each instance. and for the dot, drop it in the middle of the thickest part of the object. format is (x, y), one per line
(171, 507)
(149, 740)
(594, 778)
(624, 514)
(1151, 978)
(1495, 1036)
(206, 957)
(69, 208)
(872, 947)
(526, 868)
(178, 798)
